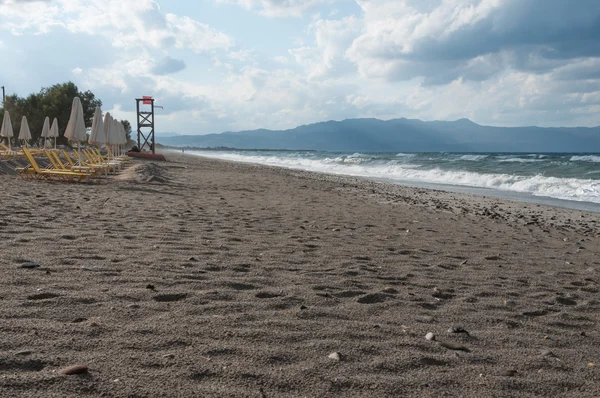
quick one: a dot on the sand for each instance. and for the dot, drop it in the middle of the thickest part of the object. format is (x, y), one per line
(204, 278)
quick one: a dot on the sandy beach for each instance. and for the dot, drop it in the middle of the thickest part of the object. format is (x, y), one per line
(206, 278)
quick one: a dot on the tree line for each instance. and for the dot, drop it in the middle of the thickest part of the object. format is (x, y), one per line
(52, 102)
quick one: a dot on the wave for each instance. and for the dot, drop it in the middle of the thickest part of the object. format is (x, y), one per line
(560, 188)
(587, 158)
(406, 155)
(473, 158)
(519, 160)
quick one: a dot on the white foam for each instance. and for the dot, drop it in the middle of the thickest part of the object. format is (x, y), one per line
(587, 158)
(519, 160)
(560, 188)
(473, 158)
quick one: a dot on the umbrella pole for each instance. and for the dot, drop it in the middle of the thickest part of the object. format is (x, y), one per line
(79, 152)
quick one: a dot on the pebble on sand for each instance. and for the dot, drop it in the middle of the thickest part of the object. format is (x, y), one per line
(336, 356)
(74, 370)
(430, 336)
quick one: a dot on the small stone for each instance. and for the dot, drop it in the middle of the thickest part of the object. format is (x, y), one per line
(390, 290)
(303, 307)
(192, 259)
(430, 336)
(169, 356)
(336, 356)
(133, 306)
(79, 320)
(336, 230)
(24, 352)
(509, 303)
(150, 287)
(74, 370)
(508, 373)
(29, 266)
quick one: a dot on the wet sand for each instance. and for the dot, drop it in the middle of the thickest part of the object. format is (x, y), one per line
(206, 278)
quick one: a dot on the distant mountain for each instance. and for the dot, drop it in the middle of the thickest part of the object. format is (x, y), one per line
(402, 135)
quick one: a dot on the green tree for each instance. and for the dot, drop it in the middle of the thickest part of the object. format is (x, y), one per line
(127, 126)
(53, 102)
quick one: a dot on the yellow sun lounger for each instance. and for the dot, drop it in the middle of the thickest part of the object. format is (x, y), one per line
(35, 171)
(71, 164)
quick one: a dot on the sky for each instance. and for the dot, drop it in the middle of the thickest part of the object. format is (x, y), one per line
(230, 65)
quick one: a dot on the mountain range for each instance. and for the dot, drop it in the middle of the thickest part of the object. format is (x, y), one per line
(403, 135)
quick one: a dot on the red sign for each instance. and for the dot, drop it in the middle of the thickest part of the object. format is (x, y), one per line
(147, 99)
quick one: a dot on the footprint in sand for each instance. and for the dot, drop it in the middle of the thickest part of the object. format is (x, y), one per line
(43, 296)
(374, 298)
(166, 298)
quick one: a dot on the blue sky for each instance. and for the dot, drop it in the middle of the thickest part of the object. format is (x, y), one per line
(219, 65)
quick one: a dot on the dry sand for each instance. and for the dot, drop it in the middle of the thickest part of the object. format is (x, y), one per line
(203, 278)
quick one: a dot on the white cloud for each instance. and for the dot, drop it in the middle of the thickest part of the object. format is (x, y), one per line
(429, 59)
(279, 8)
(127, 24)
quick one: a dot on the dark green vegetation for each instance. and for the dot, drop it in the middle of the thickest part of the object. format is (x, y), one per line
(52, 102)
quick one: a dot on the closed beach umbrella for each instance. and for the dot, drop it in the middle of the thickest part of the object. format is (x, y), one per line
(107, 127)
(122, 138)
(113, 135)
(54, 131)
(97, 135)
(46, 130)
(24, 133)
(76, 127)
(7, 129)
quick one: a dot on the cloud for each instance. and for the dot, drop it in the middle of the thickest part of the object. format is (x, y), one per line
(77, 71)
(472, 39)
(167, 66)
(279, 8)
(327, 56)
(128, 24)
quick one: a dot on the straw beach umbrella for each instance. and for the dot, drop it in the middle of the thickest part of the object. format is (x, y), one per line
(54, 131)
(7, 129)
(24, 132)
(76, 127)
(46, 130)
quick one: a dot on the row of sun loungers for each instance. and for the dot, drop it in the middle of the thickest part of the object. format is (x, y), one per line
(88, 164)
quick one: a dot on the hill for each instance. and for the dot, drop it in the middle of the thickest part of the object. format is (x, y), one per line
(408, 135)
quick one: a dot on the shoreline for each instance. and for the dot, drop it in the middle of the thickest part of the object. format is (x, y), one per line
(202, 277)
(462, 189)
(511, 210)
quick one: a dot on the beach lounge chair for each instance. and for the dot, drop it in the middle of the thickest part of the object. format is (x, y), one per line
(72, 165)
(93, 158)
(35, 171)
(104, 168)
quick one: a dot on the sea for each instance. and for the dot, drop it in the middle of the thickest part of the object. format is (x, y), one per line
(561, 179)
